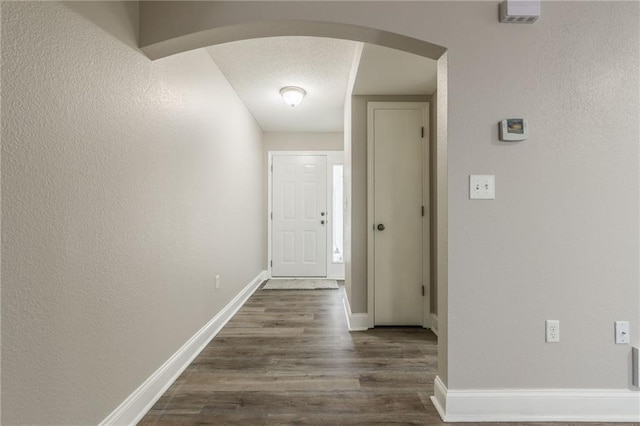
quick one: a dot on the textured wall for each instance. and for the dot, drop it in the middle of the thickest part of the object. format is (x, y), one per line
(127, 185)
(561, 239)
(348, 193)
(433, 200)
(303, 141)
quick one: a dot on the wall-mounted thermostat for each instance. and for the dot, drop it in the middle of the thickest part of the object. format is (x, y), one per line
(514, 129)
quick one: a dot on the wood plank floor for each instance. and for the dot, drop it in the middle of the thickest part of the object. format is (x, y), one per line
(288, 358)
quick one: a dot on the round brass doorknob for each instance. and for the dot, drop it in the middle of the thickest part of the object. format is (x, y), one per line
(380, 227)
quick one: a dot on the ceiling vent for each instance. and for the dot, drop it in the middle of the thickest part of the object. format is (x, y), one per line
(519, 11)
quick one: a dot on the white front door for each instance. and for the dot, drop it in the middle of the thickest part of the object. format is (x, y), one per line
(397, 231)
(299, 225)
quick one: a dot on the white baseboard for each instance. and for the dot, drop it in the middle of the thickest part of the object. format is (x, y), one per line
(439, 398)
(355, 322)
(142, 399)
(544, 405)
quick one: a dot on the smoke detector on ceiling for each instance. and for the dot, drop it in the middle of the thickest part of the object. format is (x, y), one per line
(519, 11)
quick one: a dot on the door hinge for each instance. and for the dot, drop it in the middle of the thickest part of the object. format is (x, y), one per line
(271, 263)
(272, 167)
(272, 215)
(423, 211)
(423, 290)
(422, 132)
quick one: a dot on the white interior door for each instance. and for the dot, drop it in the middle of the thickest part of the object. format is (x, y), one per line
(397, 150)
(299, 207)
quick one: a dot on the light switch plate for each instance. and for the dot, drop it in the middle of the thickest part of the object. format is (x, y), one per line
(622, 332)
(482, 187)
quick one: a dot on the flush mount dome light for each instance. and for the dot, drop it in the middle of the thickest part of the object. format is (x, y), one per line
(292, 95)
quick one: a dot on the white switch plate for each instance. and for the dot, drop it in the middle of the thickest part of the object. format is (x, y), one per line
(622, 332)
(482, 187)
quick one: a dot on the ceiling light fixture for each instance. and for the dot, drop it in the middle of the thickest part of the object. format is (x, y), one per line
(292, 95)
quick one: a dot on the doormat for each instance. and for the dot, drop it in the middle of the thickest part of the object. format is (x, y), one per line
(301, 284)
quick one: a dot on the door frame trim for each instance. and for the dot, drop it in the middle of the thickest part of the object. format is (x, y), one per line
(332, 156)
(426, 233)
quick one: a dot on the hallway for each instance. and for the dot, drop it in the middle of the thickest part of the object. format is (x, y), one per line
(287, 357)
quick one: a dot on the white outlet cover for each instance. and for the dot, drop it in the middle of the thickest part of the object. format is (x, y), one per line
(552, 331)
(482, 187)
(622, 332)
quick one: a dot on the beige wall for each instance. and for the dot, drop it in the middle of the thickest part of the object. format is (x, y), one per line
(357, 199)
(433, 200)
(120, 183)
(441, 236)
(561, 239)
(112, 227)
(303, 141)
(348, 194)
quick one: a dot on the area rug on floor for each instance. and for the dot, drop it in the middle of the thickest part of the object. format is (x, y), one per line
(301, 284)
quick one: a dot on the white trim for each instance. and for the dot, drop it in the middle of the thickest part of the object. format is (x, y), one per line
(439, 398)
(536, 405)
(333, 157)
(136, 405)
(371, 106)
(355, 322)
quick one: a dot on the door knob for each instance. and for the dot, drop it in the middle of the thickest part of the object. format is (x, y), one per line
(380, 227)
(322, 222)
(321, 213)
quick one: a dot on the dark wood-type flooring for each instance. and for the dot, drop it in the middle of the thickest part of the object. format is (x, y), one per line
(288, 358)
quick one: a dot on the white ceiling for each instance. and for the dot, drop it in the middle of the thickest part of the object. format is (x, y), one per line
(258, 68)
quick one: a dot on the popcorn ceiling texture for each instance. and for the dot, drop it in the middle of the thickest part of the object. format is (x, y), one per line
(319, 65)
(127, 186)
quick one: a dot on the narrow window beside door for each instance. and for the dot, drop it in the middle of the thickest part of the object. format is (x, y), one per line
(338, 215)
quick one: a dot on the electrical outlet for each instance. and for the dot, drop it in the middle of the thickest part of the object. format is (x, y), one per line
(553, 331)
(217, 282)
(482, 187)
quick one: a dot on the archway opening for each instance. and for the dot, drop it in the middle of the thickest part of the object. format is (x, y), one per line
(158, 41)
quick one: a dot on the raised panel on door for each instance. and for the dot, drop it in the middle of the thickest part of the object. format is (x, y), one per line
(299, 237)
(398, 207)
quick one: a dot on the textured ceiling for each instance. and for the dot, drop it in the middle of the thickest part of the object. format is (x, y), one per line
(258, 68)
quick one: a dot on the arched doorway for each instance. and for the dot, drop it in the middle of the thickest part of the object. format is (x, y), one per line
(202, 24)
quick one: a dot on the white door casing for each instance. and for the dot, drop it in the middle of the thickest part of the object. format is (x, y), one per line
(397, 157)
(299, 207)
